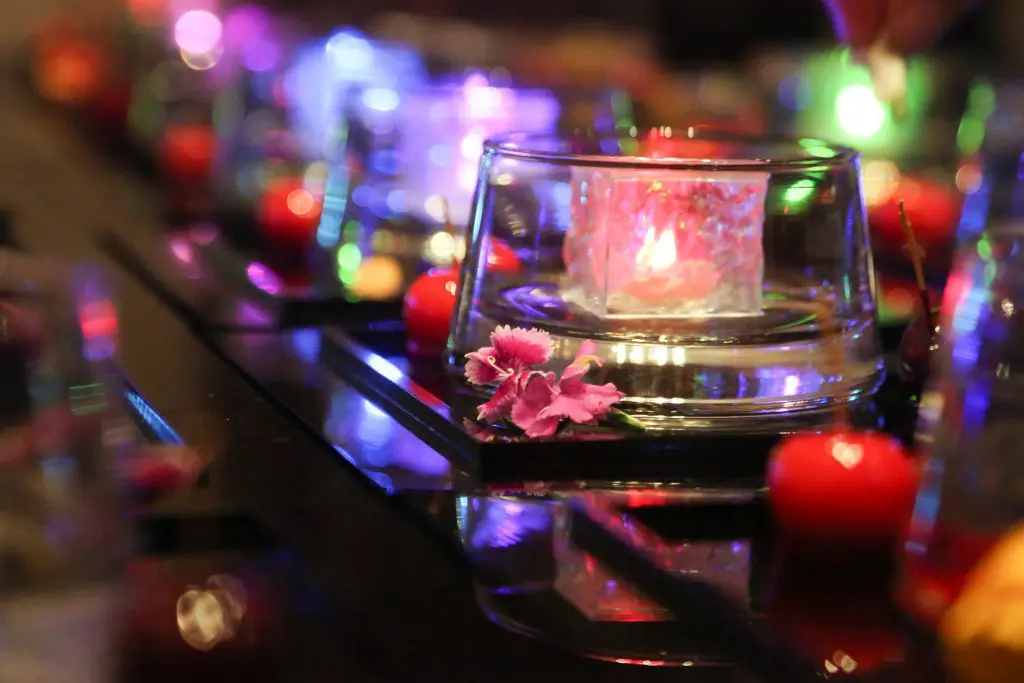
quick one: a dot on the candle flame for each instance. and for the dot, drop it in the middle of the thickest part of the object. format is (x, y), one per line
(657, 253)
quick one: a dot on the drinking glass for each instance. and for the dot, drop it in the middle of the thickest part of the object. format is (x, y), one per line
(970, 427)
(723, 280)
(61, 526)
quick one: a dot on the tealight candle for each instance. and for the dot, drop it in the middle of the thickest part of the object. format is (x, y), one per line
(672, 243)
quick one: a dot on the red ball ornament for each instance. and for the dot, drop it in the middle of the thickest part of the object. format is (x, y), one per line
(288, 214)
(841, 488)
(932, 208)
(70, 72)
(428, 309)
(186, 150)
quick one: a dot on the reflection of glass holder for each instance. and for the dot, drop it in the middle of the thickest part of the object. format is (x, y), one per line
(556, 547)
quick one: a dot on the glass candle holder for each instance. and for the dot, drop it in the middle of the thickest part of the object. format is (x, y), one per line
(973, 487)
(719, 276)
(443, 133)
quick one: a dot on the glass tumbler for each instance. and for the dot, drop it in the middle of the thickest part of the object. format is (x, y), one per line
(970, 427)
(63, 536)
(724, 281)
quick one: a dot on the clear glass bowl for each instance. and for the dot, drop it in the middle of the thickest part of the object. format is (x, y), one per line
(720, 277)
(970, 427)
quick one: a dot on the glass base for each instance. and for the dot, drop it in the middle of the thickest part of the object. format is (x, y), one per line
(693, 372)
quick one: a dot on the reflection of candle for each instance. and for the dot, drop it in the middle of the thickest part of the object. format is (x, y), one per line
(677, 243)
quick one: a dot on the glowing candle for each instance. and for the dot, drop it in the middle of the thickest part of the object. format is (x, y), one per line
(670, 243)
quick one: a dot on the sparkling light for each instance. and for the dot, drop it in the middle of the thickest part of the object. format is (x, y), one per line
(858, 111)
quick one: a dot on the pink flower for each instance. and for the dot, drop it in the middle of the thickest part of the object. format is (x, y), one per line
(512, 350)
(542, 402)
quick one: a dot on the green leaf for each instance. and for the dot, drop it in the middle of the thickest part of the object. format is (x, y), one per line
(620, 419)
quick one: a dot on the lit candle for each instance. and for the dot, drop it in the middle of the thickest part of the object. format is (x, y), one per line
(670, 243)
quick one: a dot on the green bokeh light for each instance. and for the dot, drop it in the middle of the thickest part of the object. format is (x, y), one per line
(858, 111)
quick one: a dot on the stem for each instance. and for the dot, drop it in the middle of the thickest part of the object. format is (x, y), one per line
(915, 253)
(617, 416)
(450, 229)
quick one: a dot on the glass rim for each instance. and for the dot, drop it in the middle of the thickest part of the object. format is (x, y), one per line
(524, 146)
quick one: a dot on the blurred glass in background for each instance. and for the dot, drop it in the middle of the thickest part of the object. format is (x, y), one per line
(63, 535)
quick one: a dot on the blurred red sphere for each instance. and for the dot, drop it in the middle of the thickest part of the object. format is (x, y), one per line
(841, 489)
(186, 151)
(501, 258)
(71, 71)
(288, 214)
(428, 309)
(932, 208)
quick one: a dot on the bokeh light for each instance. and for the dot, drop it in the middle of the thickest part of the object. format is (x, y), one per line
(198, 32)
(858, 111)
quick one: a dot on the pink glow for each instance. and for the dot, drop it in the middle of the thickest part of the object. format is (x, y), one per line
(263, 278)
(680, 243)
(198, 32)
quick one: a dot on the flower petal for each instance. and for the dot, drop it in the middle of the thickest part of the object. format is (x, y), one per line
(539, 391)
(479, 368)
(501, 402)
(568, 407)
(575, 372)
(519, 348)
(543, 428)
(599, 399)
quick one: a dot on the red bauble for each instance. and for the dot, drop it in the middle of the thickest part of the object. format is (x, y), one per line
(933, 209)
(288, 214)
(186, 151)
(842, 489)
(501, 258)
(429, 306)
(70, 72)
